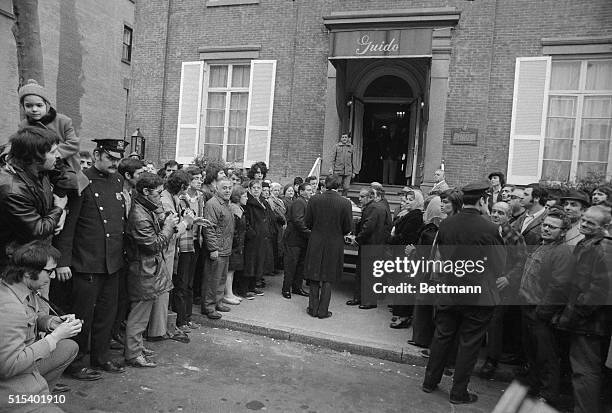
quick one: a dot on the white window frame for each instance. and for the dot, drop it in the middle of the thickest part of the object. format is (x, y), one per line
(228, 91)
(580, 94)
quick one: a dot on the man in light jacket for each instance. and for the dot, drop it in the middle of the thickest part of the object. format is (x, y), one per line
(218, 238)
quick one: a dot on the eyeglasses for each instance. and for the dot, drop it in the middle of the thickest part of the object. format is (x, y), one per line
(50, 272)
(550, 226)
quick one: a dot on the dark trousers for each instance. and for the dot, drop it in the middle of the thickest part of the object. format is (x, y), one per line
(468, 324)
(586, 361)
(495, 333)
(94, 300)
(123, 305)
(320, 295)
(60, 294)
(198, 274)
(245, 284)
(423, 326)
(362, 286)
(213, 287)
(542, 352)
(294, 268)
(182, 294)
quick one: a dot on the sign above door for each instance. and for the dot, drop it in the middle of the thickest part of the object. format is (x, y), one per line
(381, 43)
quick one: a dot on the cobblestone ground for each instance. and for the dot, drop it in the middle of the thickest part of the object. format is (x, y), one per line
(228, 371)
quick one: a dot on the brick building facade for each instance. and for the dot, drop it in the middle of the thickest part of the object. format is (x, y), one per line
(518, 86)
(84, 67)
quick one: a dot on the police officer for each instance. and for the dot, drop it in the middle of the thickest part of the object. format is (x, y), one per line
(92, 254)
(463, 237)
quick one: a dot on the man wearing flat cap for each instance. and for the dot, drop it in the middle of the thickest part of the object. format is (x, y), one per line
(92, 255)
(574, 205)
(462, 317)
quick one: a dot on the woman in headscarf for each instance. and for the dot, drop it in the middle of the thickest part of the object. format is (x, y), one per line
(278, 210)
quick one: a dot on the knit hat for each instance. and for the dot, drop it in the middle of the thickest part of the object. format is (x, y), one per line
(33, 88)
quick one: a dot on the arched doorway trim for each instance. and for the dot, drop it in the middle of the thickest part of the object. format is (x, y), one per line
(374, 70)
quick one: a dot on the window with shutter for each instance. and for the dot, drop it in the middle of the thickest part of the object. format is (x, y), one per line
(190, 98)
(531, 81)
(259, 114)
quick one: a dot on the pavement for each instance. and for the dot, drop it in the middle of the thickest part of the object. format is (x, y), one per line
(364, 332)
(223, 371)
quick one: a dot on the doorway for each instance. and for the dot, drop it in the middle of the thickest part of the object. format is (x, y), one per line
(386, 138)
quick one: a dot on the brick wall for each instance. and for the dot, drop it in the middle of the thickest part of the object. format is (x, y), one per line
(83, 72)
(488, 38)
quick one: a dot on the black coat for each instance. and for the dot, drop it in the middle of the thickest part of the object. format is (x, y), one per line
(92, 239)
(296, 234)
(257, 237)
(469, 236)
(26, 208)
(329, 216)
(375, 225)
(407, 228)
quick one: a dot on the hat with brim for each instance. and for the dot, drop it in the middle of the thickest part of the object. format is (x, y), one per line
(476, 188)
(112, 147)
(577, 195)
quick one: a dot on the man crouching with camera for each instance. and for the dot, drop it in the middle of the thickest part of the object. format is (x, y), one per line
(29, 367)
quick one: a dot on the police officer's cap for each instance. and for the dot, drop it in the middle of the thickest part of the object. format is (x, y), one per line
(476, 188)
(577, 195)
(113, 147)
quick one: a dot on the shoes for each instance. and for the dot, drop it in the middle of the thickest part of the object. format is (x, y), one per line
(329, 314)
(487, 371)
(309, 312)
(120, 338)
(429, 389)
(249, 296)
(60, 388)
(148, 352)
(257, 291)
(400, 322)
(140, 361)
(214, 315)
(180, 336)
(193, 326)
(286, 294)
(111, 367)
(154, 339)
(184, 328)
(231, 300)
(448, 371)
(223, 308)
(86, 374)
(465, 399)
(353, 302)
(300, 292)
(414, 343)
(367, 306)
(425, 353)
(260, 284)
(115, 345)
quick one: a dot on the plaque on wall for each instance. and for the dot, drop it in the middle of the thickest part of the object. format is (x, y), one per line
(464, 137)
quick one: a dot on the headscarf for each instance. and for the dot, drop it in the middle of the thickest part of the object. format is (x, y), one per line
(433, 210)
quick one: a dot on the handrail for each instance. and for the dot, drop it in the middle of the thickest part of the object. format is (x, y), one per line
(316, 168)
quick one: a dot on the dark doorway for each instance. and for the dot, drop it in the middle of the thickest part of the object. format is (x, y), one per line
(386, 135)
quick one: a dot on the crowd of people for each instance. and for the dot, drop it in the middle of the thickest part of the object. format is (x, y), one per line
(96, 249)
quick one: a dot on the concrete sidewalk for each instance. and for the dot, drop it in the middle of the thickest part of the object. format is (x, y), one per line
(364, 332)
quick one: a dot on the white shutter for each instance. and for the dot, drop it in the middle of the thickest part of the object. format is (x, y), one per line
(190, 101)
(259, 114)
(529, 110)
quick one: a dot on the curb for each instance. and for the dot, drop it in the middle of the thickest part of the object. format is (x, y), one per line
(408, 354)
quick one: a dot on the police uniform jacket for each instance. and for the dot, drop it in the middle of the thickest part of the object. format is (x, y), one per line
(469, 236)
(92, 239)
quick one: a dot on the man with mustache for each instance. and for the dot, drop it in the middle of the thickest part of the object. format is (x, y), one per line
(91, 245)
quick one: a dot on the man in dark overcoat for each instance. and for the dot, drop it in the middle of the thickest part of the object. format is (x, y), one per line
(329, 217)
(374, 229)
(460, 316)
(296, 242)
(92, 255)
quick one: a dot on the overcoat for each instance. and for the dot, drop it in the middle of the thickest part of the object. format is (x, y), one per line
(92, 238)
(257, 237)
(329, 216)
(297, 234)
